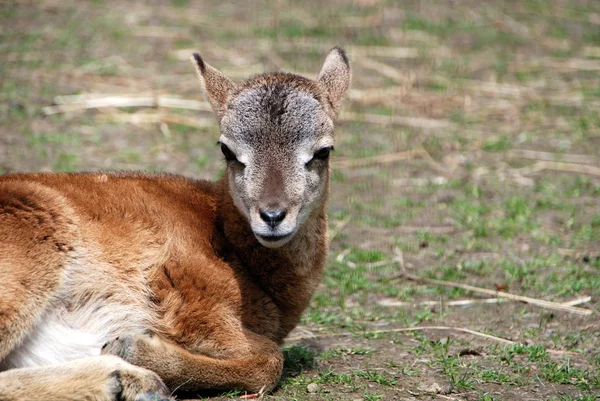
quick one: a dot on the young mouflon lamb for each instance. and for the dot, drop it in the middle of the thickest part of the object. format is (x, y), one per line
(130, 285)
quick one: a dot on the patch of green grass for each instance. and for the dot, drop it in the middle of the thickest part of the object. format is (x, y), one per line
(334, 317)
(534, 353)
(460, 117)
(343, 351)
(42, 140)
(524, 76)
(292, 28)
(375, 377)
(471, 213)
(130, 156)
(368, 396)
(592, 36)
(201, 162)
(411, 371)
(66, 162)
(487, 397)
(459, 373)
(372, 39)
(331, 377)
(580, 397)
(297, 359)
(564, 373)
(420, 24)
(498, 377)
(352, 378)
(497, 144)
(558, 31)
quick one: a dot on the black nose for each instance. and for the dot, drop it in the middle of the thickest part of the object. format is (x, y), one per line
(272, 217)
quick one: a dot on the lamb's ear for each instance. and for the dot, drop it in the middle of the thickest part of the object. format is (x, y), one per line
(216, 86)
(335, 76)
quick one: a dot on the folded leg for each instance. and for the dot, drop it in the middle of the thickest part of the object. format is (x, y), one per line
(101, 378)
(258, 369)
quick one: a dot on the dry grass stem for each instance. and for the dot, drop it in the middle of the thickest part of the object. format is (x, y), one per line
(567, 167)
(578, 253)
(552, 157)
(573, 64)
(591, 51)
(388, 71)
(467, 302)
(498, 89)
(125, 101)
(338, 227)
(578, 301)
(377, 95)
(458, 302)
(500, 294)
(388, 158)
(154, 118)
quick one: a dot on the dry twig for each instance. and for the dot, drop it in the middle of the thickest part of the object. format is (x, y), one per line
(566, 167)
(154, 118)
(376, 95)
(388, 158)
(458, 302)
(552, 157)
(578, 301)
(67, 105)
(466, 302)
(387, 71)
(500, 294)
(339, 226)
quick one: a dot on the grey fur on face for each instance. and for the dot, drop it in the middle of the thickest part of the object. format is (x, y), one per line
(277, 130)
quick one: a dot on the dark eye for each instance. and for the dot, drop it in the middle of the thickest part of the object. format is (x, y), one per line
(229, 155)
(323, 153)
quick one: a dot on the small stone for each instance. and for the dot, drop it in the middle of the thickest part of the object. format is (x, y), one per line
(312, 388)
(433, 388)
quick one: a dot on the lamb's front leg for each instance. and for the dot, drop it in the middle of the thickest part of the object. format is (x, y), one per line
(99, 378)
(259, 369)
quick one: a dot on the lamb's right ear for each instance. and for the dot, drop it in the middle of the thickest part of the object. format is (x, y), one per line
(335, 76)
(216, 86)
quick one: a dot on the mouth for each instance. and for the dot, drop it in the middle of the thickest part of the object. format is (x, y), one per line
(273, 238)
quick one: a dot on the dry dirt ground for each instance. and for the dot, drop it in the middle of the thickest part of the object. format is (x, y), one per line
(468, 152)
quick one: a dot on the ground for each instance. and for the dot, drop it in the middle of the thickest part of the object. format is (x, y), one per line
(468, 152)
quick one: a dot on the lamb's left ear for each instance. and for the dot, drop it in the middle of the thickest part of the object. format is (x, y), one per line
(335, 76)
(214, 84)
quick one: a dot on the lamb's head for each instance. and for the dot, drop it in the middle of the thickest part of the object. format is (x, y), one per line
(276, 136)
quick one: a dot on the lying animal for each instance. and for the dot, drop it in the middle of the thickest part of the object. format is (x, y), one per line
(129, 285)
